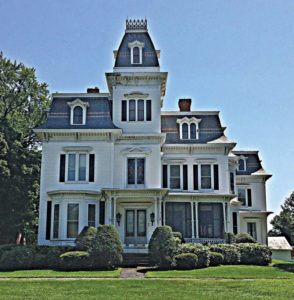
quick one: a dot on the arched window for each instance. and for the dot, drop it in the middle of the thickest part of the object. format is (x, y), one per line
(136, 55)
(78, 115)
(185, 131)
(193, 131)
(242, 166)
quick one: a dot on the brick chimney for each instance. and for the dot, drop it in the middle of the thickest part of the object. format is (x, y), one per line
(185, 104)
(94, 90)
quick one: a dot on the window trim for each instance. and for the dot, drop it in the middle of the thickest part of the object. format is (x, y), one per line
(73, 105)
(136, 44)
(245, 163)
(189, 121)
(127, 107)
(136, 185)
(78, 220)
(77, 165)
(211, 164)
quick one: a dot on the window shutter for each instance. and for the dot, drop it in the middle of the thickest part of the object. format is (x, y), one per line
(164, 176)
(249, 197)
(148, 110)
(48, 220)
(62, 168)
(235, 223)
(124, 110)
(216, 177)
(91, 167)
(185, 177)
(102, 212)
(195, 175)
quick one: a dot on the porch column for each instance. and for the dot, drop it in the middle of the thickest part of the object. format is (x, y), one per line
(114, 211)
(159, 212)
(108, 211)
(196, 220)
(225, 217)
(192, 219)
(155, 210)
(163, 213)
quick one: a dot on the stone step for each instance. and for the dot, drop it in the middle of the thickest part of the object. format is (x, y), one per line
(135, 259)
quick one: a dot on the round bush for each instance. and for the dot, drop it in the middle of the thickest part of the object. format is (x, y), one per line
(254, 254)
(230, 238)
(216, 259)
(243, 237)
(185, 261)
(162, 247)
(202, 253)
(106, 251)
(230, 252)
(85, 238)
(75, 261)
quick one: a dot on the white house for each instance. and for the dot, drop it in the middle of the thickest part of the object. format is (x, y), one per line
(117, 158)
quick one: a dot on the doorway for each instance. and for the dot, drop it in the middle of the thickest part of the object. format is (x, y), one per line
(135, 226)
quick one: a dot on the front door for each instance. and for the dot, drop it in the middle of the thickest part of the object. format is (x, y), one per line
(135, 226)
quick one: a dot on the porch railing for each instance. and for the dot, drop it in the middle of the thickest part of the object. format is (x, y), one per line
(204, 240)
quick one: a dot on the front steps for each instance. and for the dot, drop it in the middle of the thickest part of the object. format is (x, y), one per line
(135, 259)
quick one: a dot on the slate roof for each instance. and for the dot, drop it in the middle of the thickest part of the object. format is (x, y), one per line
(98, 114)
(209, 128)
(253, 163)
(149, 56)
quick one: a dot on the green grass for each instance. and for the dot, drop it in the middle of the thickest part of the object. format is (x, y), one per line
(276, 271)
(147, 289)
(58, 274)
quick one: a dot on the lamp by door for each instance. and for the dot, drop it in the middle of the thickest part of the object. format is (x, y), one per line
(118, 218)
(152, 218)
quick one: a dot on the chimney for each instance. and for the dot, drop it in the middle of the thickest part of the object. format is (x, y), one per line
(94, 90)
(185, 104)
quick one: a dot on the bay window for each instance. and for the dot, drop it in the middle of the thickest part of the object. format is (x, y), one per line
(72, 220)
(92, 215)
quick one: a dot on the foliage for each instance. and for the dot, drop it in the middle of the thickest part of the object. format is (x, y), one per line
(230, 238)
(107, 249)
(254, 254)
(201, 251)
(75, 261)
(162, 247)
(283, 223)
(185, 261)
(244, 237)
(22, 107)
(216, 258)
(85, 238)
(230, 252)
(4, 248)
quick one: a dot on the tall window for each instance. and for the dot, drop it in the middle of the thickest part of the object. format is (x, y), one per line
(72, 220)
(244, 196)
(136, 55)
(78, 115)
(251, 229)
(132, 110)
(185, 131)
(56, 221)
(140, 110)
(92, 215)
(242, 165)
(136, 110)
(205, 177)
(175, 177)
(192, 131)
(136, 171)
(76, 167)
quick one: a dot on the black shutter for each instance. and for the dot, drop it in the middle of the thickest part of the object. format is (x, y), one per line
(185, 177)
(124, 110)
(235, 223)
(48, 220)
(249, 197)
(62, 168)
(195, 175)
(216, 177)
(164, 176)
(91, 167)
(102, 212)
(148, 110)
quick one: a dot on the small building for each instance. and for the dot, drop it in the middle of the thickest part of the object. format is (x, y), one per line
(280, 247)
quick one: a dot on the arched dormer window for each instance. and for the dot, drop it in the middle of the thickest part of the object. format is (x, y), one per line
(242, 163)
(136, 52)
(78, 112)
(189, 128)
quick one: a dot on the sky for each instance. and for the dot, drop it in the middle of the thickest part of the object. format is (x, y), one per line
(236, 57)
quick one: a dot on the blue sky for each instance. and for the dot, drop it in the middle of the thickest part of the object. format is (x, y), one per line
(232, 56)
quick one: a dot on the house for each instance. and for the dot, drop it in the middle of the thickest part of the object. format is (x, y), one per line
(117, 158)
(280, 248)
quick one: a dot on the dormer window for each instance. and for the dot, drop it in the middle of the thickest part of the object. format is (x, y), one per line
(189, 128)
(78, 112)
(242, 163)
(136, 52)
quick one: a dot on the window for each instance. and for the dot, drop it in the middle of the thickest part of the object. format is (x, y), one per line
(78, 112)
(136, 49)
(242, 164)
(232, 182)
(244, 196)
(193, 131)
(175, 177)
(185, 135)
(92, 215)
(136, 110)
(136, 172)
(72, 220)
(56, 221)
(78, 115)
(136, 55)
(251, 229)
(189, 128)
(205, 177)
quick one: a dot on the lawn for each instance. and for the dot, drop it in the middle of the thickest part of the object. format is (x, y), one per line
(58, 274)
(147, 289)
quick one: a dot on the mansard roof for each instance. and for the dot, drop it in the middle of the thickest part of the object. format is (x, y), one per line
(98, 112)
(136, 31)
(210, 128)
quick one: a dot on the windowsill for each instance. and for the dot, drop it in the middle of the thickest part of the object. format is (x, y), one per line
(136, 121)
(76, 182)
(135, 186)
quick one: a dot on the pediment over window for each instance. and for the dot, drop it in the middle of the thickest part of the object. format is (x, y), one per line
(78, 102)
(78, 112)
(188, 120)
(136, 94)
(136, 151)
(136, 44)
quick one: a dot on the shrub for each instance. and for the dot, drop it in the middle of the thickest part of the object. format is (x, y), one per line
(230, 252)
(185, 261)
(230, 238)
(244, 237)
(216, 258)
(85, 238)
(75, 261)
(201, 251)
(254, 254)
(4, 248)
(106, 250)
(162, 247)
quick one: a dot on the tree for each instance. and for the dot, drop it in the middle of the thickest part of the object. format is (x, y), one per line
(283, 223)
(23, 101)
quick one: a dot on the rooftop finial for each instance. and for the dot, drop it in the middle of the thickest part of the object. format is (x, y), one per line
(136, 24)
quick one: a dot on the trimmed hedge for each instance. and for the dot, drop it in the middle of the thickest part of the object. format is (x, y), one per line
(229, 251)
(75, 261)
(244, 237)
(162, 247)
(202, 253)
(216, 258)
(185, 261)
(254, 254)
(85, 239)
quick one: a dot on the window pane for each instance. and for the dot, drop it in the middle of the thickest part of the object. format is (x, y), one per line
(92, 215)
(241, 165)
(251, 229)
(148, 110)
(175, 177)
(140, 110)
(132, 110)
(78, 115)
(141, 222)
(205, 176)
(130, 223)
(242, 196)
(136, 55)
(185, 131)
(193, 131)
(131, 171)
(56, 221)
(72, 220)
(71, 167)
(140, 170)
(82, 167)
